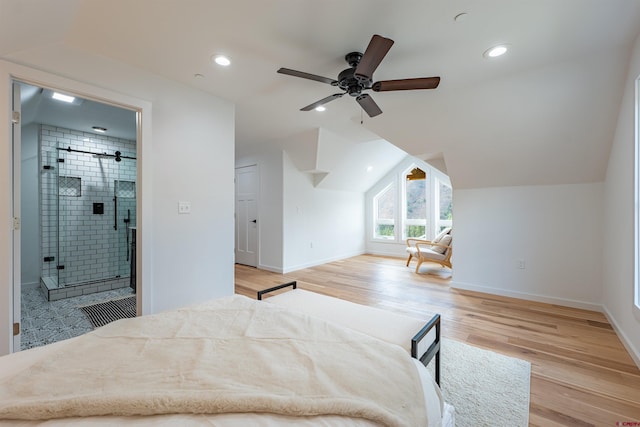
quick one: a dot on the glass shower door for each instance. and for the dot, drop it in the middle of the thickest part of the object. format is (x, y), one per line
(74, 244)
(96, 208)
(49, 218)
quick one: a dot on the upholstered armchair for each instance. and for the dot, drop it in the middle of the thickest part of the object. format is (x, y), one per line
(438, 250)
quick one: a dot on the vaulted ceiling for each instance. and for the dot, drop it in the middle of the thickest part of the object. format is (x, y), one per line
(544, 113)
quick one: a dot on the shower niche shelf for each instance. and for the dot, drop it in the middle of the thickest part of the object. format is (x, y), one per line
(125, 189)
(69, 186)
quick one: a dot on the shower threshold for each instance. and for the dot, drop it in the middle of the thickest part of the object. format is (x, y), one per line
(54, 292)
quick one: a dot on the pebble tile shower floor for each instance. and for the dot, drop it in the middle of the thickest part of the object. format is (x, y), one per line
(44, 322)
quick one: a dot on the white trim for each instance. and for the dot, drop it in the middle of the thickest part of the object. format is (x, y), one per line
(16, 167)
(633, 352)
(636, 215)
(527, 296)
(271, 268)
(320, 262)
(400, 251)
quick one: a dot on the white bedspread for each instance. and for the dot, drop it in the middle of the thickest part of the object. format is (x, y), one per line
(232, 355)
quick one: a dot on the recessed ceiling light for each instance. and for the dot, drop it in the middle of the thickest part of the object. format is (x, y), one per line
(221, 60)
(320, 108)
(369, 168)
(99, 129)
(495, 51)
(62, 97)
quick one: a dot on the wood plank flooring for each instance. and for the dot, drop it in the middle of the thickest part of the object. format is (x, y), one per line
(581, 374)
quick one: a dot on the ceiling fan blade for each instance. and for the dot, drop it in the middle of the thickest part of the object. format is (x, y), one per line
(369, 105)
(376, 51)
(304, 75)
(322, 101)
(406, 84)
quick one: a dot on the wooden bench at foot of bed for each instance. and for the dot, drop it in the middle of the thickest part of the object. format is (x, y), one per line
(421, 340)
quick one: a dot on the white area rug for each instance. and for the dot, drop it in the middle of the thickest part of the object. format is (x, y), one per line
(486, 388)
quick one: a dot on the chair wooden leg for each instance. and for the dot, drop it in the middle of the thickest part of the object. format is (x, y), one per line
(418, 266)
(409, 259)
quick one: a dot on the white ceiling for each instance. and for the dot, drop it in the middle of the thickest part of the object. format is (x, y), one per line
(38, 106)
(544, 113)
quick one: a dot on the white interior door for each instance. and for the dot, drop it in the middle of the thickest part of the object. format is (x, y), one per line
(17, 161)
(247, 215)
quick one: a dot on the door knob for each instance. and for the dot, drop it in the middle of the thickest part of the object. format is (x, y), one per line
(254, 221)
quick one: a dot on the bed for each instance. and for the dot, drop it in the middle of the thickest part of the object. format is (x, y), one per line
(229, 362)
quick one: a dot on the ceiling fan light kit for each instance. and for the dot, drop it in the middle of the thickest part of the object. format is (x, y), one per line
(359, 77)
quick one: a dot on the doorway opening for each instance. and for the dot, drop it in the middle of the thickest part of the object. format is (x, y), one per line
(246, 232)
(78, 197)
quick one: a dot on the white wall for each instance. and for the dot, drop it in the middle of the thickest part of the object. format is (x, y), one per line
(319, 225)
(556, 230)
(187, 154)
(30, 241)
(270, 234)
(617, 290)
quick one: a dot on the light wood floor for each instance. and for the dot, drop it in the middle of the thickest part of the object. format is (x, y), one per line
(581, 375)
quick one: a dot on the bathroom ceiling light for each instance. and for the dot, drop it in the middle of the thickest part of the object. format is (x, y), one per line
(59, 96)
(62, 97)
(99, 129)
(221, 60)
(495, 51)
(320, 108)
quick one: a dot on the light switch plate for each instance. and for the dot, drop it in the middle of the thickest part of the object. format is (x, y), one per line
(184, 207)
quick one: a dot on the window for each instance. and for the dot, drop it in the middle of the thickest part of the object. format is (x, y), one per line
(413, 202)
(445, 205)
(385, 211)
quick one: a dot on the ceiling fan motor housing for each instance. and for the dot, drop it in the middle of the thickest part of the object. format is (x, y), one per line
(347, 80)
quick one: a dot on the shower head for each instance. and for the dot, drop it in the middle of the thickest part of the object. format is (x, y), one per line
(101, 156)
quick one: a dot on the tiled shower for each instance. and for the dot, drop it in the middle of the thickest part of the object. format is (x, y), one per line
(87, 211)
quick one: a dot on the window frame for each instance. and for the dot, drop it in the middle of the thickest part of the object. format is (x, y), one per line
(377, 221)
(396, 178)
(440, 223)
(403, 220)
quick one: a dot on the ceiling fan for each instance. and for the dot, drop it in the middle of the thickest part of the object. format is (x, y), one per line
(359, 77)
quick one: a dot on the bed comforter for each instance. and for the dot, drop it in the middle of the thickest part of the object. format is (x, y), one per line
(231, 355)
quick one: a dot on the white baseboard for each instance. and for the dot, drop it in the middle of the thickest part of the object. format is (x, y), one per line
(270, 268)
(633, 352)
(320, 262)
(388, 254)
(528, 296)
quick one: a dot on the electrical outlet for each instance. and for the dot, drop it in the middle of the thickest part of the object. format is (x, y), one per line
(184, 207)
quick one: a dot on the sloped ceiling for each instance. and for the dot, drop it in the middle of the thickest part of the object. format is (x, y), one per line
(544, 113)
